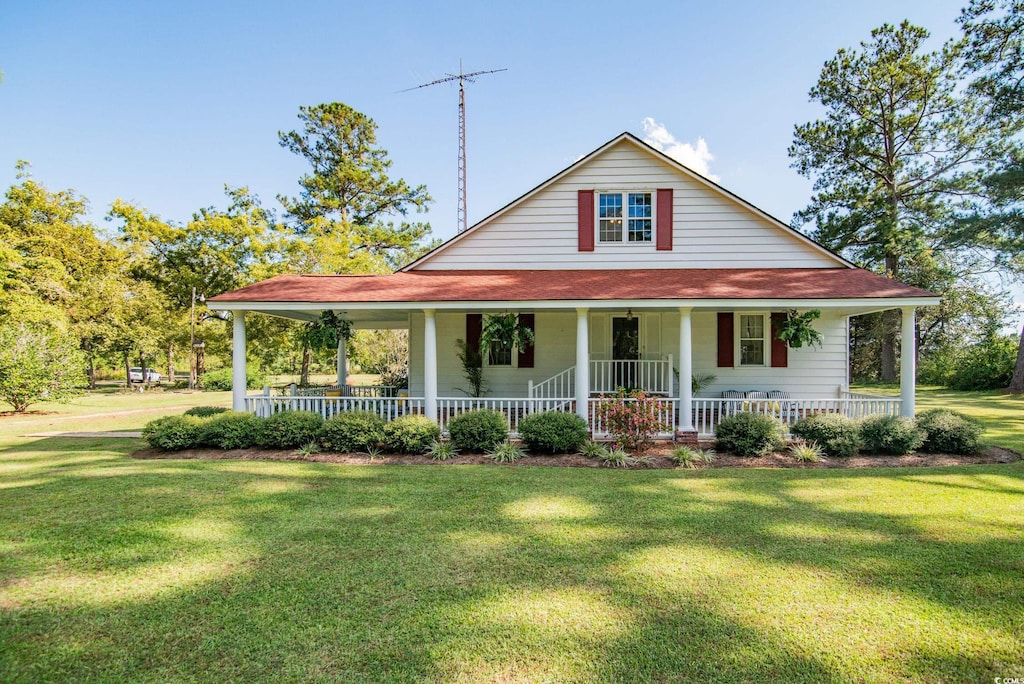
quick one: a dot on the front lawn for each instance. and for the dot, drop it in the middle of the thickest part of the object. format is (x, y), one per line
(117, 569)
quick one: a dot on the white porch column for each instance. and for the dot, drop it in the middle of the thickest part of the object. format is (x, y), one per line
(342, 365)
(582, 365)
(238, 361)
(908, 363)
(685, 371)
(430, 364)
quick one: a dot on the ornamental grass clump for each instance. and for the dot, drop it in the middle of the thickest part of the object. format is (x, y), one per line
(506, 452)
(749, 434)
(442, 450)
(631, 420)
(949, 432)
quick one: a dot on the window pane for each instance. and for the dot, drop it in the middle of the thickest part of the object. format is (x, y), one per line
(751, 353)
(752, 327)
(640, 230)
(640, 205)
(610, 205)
(611, 230)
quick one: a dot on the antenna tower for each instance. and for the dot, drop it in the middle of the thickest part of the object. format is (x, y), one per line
(462, 78)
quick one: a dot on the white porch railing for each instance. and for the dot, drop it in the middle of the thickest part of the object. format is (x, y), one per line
(346, 391)
(387, 408)
(513, 408)
(707, 413)
(559, 386)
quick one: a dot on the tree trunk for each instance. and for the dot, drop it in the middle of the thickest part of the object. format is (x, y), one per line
(306, 357)
(1017, 381)
(127, 370)
(170, 362)
(145, 377)
(91, 372)
(890, 325)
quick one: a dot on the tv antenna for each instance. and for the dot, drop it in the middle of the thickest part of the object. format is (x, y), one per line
(462, 78)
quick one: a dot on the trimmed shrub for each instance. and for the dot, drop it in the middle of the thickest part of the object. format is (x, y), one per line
(410, 434)
(290, 430)
(230, 430)
(949, 432)
(173, 433)
(478, 431)
(890, 435)
(353, 431)
(834, 433)
(206, 411)
(553, 432)
(749, 434)
(220, 380)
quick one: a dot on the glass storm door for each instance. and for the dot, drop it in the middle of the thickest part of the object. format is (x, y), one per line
(626, 350)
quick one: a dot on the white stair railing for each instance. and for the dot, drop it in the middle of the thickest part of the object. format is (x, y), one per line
(559, 386)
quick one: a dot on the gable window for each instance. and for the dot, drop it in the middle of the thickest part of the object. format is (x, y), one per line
(752, 339)
(624, 216)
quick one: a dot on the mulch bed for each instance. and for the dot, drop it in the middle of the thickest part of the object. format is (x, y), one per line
(657, 457)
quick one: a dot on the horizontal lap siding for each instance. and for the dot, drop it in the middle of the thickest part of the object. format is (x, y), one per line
(812, 373)
(709, 230)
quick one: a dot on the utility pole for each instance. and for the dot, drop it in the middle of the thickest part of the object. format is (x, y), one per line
(462, 78)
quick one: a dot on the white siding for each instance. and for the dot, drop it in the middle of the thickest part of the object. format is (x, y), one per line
(812, 373)
(710, 230)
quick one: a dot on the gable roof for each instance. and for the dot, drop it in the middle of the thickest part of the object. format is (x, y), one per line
(661, 156)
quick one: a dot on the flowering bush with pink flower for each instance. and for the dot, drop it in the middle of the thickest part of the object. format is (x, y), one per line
(631, 419)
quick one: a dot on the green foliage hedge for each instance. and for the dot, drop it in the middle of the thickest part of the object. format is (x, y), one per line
(220, 380)
(749, 434)
(891, 435)
(410, 434)
(987, 365)
(173, 433)
(949, 432)
(834, 433)
(290, 430)
(206, 411)
(554, 432)
(352, 431)
(230, 430)
(478, 431)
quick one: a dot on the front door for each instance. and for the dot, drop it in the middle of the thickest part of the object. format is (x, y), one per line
(626, 350)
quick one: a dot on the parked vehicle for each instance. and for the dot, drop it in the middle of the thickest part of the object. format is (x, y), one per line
(135, 375)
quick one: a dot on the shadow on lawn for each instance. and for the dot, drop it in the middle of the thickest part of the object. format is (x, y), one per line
(239, 569)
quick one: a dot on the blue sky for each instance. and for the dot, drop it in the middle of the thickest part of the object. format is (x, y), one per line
(163, 103)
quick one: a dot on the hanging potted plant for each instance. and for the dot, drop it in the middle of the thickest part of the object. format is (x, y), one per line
(506, 330)
(324, 333)
(798, 329)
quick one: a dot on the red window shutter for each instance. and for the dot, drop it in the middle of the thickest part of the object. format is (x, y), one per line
(474, 329)
(526, 355)
(665, 219)
(585, 217)
(780, 352)
(725, 339)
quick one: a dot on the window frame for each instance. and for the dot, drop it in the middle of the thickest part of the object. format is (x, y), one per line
(624, 197)
(766, 341)
(512, 358)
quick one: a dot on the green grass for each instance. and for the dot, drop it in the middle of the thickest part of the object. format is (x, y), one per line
(116, 569)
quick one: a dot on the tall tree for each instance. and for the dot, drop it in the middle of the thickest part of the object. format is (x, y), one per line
(994, 34)
(897, 150)
(348, 196)
(342, 212)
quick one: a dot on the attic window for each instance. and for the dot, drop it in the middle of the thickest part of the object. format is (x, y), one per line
(638, 209)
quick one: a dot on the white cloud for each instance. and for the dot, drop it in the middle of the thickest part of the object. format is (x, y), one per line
(695, 156)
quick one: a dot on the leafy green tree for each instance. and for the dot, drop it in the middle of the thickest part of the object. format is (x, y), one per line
(994, 36)
(899, 146)
(348, 196)
(38, 364)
